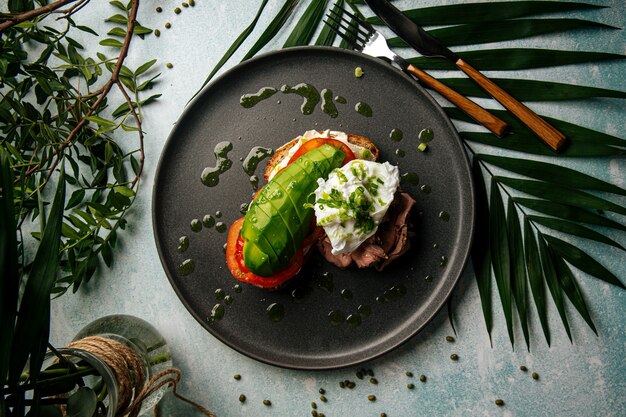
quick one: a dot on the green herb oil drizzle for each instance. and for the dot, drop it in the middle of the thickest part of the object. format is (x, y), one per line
(211, 175)
(251, 100)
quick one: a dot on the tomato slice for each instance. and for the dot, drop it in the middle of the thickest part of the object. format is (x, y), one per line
(317, 142)
(236, 266)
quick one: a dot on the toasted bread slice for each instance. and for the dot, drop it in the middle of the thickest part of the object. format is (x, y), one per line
(282, 152)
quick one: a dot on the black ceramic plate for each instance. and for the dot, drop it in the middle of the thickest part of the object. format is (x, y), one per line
(380, 310)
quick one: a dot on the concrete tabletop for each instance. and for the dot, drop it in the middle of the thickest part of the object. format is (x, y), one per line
(583, 378)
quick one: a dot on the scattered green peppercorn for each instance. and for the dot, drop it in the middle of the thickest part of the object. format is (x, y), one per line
(157, 32)
(523, 368)
(410, 386)
(409, 374)
(314, 413)
(169, 65)
(383, 414)
(499, 402)
(177, 10)
(322, 391)
(168, 25)
(185, 4)
(192, 3)
(267, 402)
(323, 399)
(159, 9)
(313, 405)
(535, 375)
(370, 372)
(342, 384)
(423, 378)
(237, 377)
(351, 384)
(454, 357)
(373, 381)
(359, 374)
(242, 398)
(371, 397)
(450, 339)
(321, 415)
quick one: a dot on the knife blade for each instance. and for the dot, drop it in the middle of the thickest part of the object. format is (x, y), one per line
(427, 45)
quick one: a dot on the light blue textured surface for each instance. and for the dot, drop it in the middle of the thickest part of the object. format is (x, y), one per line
(586, 378)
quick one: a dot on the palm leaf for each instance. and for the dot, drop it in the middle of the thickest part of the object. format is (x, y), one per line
(535, 278)
(573, 229)
(484, 12)
(477, 33)
(530, 144)
(551, 173)
(31, 324)
(304, 30)
(235, 45)
(481, 255)
(9, 284)
(327, 35)
(518, 268)
(567, 212)
(500, 255)
(571, 289)
(532, 90)
(582, 261)
(560, 194)
(514, 59)
(550, 274)
(274, 27)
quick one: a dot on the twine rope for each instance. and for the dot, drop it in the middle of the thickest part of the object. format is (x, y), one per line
(129, 372)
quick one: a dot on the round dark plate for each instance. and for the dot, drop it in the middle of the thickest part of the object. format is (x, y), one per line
(381, 309)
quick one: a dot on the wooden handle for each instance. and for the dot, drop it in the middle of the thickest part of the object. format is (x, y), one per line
(482, 116)
(546, 132)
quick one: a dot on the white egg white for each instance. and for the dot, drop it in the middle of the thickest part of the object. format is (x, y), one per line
(351, 203)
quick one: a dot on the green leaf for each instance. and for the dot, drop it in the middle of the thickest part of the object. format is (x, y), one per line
(141, 30)
(303, 32)
(145, 67)
(566, 212)
(118, 18)
(117, 31)
(69, 232)
(528, 143)
(119, 5)
(514, 59)
(550, 172)
(571, 289)
(518, 268)
(76, 198)
(111, 42)
(235, 45)
(560, 194)
(100, 121)
(273, 28)
(327, 35)
(500, 255)
(34, 308)
(477, 33)
(82, 403)
(9, 284)
(86, 217)
(481, 256)
(485, 12)
(535, 278)
(573, 229)
(531, 90)
(549, 272)
(582, 261)
(107, 255)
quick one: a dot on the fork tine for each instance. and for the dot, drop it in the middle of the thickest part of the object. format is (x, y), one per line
(351, 28)
(365, 29)
(360, 21)
(350, 40)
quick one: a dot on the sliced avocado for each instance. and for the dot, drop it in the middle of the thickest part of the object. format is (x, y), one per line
(251, 233)
(282, 204)
(256, 260)
(271, 224)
